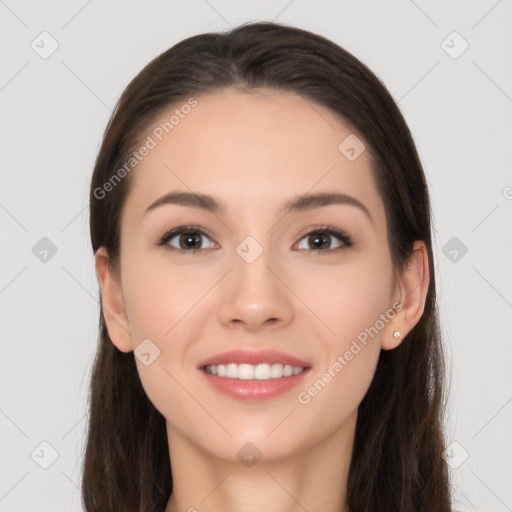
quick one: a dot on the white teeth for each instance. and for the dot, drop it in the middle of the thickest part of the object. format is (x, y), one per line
(262, 372)
(276, 371)
(232, 371)
(259, 372)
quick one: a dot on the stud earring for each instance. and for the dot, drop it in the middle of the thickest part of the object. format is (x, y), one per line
(397, 335)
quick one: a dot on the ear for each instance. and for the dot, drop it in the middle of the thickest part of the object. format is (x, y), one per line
(411, 292)
(112, 302)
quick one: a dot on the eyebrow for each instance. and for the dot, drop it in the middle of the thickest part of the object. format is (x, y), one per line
(297, 204)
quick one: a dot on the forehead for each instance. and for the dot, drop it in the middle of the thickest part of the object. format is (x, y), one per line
(251, 149)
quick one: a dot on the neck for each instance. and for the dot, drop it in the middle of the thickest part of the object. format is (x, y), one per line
(312, 480)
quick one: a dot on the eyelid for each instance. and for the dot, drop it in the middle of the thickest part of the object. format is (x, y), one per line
(338, 233)
(341, 234)
(168, 235)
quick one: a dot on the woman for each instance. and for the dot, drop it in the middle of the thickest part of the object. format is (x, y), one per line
(269, 334)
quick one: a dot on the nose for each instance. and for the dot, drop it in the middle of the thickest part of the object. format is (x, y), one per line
(255, 296)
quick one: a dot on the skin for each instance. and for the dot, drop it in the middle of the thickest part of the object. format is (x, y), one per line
(254, 152)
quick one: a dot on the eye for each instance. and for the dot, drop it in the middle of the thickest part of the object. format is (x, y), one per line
(189, 239)
(185, 239)
(320, 240)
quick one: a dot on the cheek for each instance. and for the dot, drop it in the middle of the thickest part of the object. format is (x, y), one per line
(159, 298)
(163, 304)
(334, 393)
(346, 299)
(350, 301)
(157, 305)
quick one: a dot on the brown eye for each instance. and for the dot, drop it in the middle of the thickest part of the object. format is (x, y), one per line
(186, 239)
(319, 241)
(325, 240)
(189, 241)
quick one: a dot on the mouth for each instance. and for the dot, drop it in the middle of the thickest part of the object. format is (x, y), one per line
(250, 375)
(264, 371)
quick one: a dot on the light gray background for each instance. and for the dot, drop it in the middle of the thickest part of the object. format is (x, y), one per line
(54, 112)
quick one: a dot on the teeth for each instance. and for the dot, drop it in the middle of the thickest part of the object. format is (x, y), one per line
(259, 372)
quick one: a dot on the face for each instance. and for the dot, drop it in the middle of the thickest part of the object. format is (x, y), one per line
(314, 282)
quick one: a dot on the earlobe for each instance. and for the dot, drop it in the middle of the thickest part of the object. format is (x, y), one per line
(112, 302)
(412, 288)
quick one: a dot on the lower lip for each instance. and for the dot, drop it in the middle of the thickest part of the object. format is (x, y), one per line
(254, 389)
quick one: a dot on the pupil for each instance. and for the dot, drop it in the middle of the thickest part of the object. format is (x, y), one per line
(321, 239)
(186, 238)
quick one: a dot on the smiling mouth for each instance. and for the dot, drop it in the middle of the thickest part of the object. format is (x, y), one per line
(262, 372)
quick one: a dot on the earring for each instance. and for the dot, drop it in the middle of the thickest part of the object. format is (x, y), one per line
(397, 335)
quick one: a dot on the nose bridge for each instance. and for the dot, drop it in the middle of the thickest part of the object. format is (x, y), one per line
(254, 295)
(255, 282)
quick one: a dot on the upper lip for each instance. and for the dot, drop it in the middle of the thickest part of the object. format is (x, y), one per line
(254, 358)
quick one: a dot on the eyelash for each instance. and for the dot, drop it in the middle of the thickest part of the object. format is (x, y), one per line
(326, 230)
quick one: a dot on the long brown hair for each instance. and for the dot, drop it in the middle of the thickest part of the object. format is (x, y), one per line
(397, 462)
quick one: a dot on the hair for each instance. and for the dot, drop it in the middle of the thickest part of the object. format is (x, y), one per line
(397, 459)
